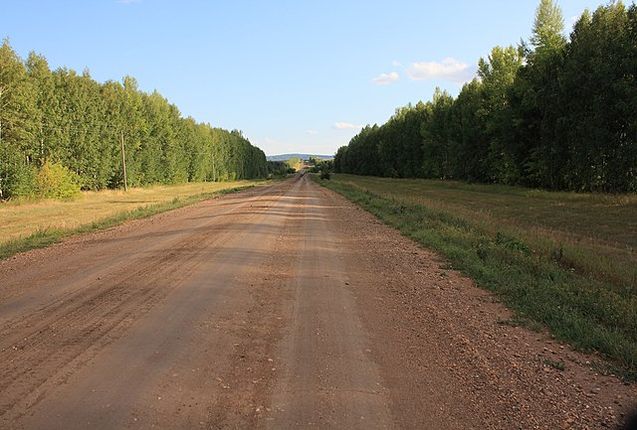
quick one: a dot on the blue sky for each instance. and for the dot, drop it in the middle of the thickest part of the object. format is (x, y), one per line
(295, 76)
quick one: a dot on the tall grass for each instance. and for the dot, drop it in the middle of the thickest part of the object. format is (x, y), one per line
(563, 260)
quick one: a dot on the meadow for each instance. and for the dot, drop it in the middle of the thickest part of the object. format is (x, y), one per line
(30, 224)
(562, 260)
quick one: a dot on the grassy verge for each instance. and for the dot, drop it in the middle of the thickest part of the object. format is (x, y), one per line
(514, 242)
(171, 199)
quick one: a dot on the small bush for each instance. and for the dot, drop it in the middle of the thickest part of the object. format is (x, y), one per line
(17, 176)
(511, 243)
(482, 249)
(24, 183)
(325, 175)
(54, 181)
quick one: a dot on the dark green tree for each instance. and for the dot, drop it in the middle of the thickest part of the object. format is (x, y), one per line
(18, 124)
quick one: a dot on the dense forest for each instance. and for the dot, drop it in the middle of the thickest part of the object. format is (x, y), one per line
(61, 121)
(554, 112)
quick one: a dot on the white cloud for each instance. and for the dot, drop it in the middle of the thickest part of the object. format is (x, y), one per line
(346, 126)
(448, 69)
(396, 63)
(386, 78)
(128, 1)
(311, 131)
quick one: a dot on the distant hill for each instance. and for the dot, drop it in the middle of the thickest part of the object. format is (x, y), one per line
(285, 157)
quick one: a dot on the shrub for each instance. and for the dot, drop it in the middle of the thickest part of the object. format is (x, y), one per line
(17, 177)
(54, 181)
(24, 182)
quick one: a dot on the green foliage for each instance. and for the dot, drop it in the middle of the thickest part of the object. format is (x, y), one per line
(467, 135)
(548, 28)
(17, 125)
(435, 137)
(326, 167)
(54, 181)
(295, 163)
(497, 74)
(25, 183)
(76, 122)
(279, 169)
(553, 113)
(597, 129)
(323, 167)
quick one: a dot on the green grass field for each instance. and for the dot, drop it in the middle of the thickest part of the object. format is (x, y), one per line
(564, 260)
(28, 225)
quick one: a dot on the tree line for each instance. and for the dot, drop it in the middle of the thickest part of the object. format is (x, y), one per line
(280, 168)
(553, 112)
(80, 125)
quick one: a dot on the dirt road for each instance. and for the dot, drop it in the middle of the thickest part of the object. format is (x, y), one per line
(283, 306)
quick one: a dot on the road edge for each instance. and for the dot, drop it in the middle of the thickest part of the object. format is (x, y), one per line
(44, 238)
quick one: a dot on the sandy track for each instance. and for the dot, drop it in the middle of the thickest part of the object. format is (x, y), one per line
(278, 307)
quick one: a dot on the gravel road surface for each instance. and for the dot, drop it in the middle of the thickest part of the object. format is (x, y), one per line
(283, 306)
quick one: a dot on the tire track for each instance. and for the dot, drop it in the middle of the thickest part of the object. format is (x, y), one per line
(61, 336)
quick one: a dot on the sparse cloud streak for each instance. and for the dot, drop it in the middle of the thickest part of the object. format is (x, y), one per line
(128, 1)
(346, 126)
(386, 78)
(312, 132)
(448, 69)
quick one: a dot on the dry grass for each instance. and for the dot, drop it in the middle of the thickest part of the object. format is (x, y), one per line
(594, 234)
(23, 219)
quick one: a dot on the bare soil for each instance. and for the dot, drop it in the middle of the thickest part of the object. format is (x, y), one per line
(279, 307)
